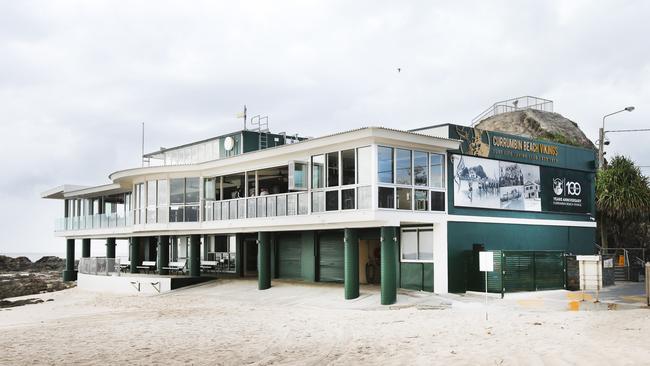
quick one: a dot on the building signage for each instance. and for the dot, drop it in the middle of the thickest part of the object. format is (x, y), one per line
(505, 185)
(482, 143)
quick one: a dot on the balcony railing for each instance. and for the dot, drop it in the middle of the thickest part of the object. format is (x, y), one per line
(101, 266)
(284, 204)
(89, 222)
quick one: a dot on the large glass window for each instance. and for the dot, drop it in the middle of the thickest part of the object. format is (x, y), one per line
(151, 201)
(403, 167)
(210, 189)
(177, 190)
(192, 186)
(437, 171)
(233, 186)
(347, 199)
(348, 167)
(386, 197)
(331, 200)
(333, 169)
(437, 201)
(420, 170)
(404, 199)
(421, 200)
(417, 244)
(272, 180)
(318, 171)
(385, 164)
(363, 165)
(364, 199)
(317, 201)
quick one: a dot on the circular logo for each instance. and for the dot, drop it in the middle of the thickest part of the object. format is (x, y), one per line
(557, 186)
(228, 143)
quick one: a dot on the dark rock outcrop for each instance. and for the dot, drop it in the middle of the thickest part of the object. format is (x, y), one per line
(20, 277)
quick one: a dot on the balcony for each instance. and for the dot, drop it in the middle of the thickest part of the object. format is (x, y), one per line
(284, 204)
(91, 222)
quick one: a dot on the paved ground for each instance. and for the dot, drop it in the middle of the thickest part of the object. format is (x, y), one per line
(231, 322)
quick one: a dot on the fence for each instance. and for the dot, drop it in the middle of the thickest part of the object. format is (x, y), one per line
(515, 104)
(99, 266)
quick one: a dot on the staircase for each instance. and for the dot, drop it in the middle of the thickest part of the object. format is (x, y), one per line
(621, 273)
(262, 130)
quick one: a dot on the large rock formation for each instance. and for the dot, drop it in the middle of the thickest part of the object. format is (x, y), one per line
(538, 125)
(19, 276)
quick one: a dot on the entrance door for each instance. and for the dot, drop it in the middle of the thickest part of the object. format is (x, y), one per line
(250, 257)
(330, 256)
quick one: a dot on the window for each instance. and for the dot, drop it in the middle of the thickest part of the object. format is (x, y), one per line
(437, 171)
(347, 199)
(420, 171)
(417, 244)
(386, 197)
(317, 201)
(192, 190)
(385, 164)
(333, 169)
(404, 199)
(298, 176)
(421, 200)
(348, 167)
(331, 200)
(210, 189)
(364, 199)
(151, 201)
(403, 167)
(318, 171)
(233, 186)
(363, 165)
(177, 190)
(437, 201)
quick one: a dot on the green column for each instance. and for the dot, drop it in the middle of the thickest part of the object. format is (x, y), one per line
(263, 260)
(85, 248)
(135, 254)
(195, 255)
(351, 263)
(110, 248)
(163, 254)
(388, 265)
(69, 274)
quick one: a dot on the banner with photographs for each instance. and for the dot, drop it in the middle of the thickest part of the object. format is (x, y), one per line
(505, 185)
(496, 184)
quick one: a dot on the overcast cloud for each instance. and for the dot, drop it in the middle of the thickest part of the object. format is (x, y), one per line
(78, 78)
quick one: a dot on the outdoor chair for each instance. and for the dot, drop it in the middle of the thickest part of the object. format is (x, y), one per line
(147, 266)
(176, 266)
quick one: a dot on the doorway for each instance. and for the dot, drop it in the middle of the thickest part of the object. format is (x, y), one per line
(250, 257)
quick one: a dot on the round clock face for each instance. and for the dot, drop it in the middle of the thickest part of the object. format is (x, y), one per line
(228, 143)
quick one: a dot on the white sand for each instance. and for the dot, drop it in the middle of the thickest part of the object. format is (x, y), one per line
(231, 322)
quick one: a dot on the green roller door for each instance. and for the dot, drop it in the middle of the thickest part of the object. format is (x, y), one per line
(549, 270)
(289, 254)
(519, 271)
(330, 256)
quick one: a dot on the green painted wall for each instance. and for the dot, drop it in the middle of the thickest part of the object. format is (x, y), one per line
(461, 237)
(416, 276)
(251, 140)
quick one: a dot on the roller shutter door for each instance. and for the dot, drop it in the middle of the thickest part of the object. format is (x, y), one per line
(549, 270)
(330, 256)
(289, 256)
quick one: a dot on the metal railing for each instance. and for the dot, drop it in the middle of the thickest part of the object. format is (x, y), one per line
(99, 266)
(515, 104)
(284, 204)
(89, 222)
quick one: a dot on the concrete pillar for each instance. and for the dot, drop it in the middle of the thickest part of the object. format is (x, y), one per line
(85, 248)
(135, 254)
(69, 274)
(110, 248)
(195, 255)
(351, 263)
(388, 265)
(263, 260)
(163, 254)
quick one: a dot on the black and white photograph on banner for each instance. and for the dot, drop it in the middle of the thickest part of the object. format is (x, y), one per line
(532, 188)
(476, 182)
(511, 183)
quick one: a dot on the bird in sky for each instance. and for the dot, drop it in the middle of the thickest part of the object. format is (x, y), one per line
(399, 69)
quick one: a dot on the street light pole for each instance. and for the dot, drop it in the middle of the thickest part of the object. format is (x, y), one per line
(601, 137)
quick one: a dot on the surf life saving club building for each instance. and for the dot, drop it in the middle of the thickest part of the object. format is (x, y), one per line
(402, 209)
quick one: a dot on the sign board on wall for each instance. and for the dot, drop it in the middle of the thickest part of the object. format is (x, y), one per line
(486, 261)
(505, 185)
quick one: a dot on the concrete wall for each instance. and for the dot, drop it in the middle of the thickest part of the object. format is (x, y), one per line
(135, 285)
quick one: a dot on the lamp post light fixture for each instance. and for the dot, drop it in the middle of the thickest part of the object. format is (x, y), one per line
(601, 136)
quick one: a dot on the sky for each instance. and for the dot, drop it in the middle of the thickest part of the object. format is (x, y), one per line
(77, 78)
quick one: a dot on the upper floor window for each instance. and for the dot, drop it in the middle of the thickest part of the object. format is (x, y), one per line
(348, 167)
(333, 169)
(403, 167)
(385, 164)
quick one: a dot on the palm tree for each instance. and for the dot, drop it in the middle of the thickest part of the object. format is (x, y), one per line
(622, 198)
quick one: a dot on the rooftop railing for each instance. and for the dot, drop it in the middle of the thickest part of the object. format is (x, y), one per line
(515, 104)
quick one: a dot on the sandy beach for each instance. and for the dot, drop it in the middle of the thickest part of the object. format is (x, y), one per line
(230, 322)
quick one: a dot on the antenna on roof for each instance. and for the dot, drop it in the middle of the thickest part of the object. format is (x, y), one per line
(143, 158)
(243, 115)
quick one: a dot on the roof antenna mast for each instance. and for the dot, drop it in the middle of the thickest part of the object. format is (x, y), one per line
(142, 156)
